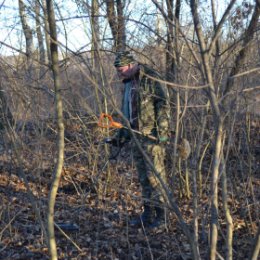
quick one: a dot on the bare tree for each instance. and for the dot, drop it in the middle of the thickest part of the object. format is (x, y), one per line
(247, 39)
(60, 125)
(115, 16)
(217, 114)
(96, 61)
(218, 119)
(38, 20)
(28, 32)
(46, 29)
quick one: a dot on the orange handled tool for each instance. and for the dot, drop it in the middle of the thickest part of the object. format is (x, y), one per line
(106, 121)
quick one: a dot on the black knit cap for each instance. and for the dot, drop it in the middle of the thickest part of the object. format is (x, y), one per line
(123, 58)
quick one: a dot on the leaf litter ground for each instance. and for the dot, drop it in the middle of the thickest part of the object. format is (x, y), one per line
(99, 203)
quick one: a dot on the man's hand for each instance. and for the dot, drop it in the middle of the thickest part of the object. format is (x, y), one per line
(114, 141)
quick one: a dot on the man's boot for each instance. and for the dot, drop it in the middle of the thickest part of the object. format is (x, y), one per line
(159, 220)
(144, 219)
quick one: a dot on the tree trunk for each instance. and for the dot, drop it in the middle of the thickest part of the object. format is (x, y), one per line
(97, 69)
(256, 247)
(121, 38)
(229, 221)
(240, 59)
(28, 33)
(214, 191)
(218, 130)
(116, 20)
(39, 33)
(60, 125)
(46, 31)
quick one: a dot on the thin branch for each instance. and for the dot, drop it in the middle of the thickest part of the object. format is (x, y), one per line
(219, 26)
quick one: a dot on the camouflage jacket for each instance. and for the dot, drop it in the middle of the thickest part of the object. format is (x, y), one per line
(152, 104)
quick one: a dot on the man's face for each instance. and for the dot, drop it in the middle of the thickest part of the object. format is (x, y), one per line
(125, 72)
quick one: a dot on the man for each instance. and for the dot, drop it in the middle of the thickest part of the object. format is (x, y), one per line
(146, 106)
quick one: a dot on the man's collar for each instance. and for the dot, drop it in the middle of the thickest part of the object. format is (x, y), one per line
(126, 80)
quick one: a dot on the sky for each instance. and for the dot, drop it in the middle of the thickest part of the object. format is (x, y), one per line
(77, 29)
(12, 34)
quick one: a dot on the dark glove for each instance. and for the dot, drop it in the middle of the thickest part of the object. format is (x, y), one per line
(122, 137)
(114, 142)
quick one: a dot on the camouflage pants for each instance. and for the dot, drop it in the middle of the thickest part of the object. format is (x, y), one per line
(152, 190)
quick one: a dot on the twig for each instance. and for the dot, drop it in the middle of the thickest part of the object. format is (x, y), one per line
(64, 234)
(10, 222)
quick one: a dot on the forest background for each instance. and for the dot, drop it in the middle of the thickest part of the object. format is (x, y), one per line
(61, 196)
